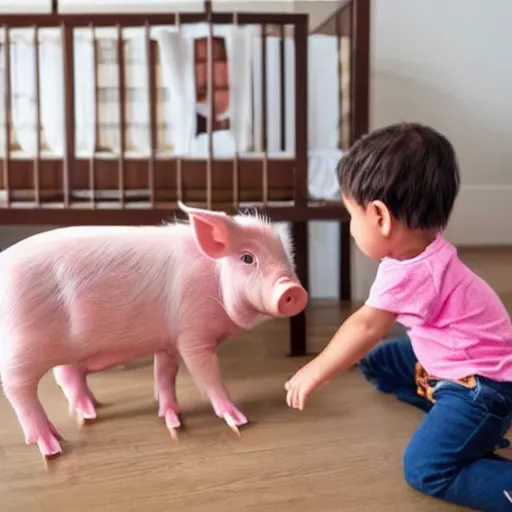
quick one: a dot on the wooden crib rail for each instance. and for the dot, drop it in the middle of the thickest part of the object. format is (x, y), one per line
(136, 19)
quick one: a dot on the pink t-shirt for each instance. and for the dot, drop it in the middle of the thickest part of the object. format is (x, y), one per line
(457, 324)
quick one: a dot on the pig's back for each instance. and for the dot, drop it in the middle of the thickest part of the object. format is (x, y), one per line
(78, 258)
(93, 286)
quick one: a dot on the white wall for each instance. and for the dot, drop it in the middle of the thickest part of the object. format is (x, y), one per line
(447, 63)
(26, 6)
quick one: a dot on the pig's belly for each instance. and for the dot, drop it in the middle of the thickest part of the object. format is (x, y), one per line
(104, 334)
(107, 359)
(101, 350)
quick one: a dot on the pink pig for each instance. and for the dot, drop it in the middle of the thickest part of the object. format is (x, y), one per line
(83, 299)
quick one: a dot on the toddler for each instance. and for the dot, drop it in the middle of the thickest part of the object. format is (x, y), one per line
(399, 185)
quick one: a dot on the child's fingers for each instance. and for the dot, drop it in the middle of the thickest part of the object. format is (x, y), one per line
(296, 402)
(295, 395)
(288, 388)
(289, 397)
(302, 401)
(302, 396)
(297, 398)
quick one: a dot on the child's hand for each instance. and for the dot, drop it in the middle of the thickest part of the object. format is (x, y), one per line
(301, 385)
(356, 336)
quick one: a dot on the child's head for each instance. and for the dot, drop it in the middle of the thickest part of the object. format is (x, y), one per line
(398, 182)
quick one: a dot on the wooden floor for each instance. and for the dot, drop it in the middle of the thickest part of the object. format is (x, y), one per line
(342, 453)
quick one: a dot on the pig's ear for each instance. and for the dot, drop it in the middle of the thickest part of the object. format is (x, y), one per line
(213, 231)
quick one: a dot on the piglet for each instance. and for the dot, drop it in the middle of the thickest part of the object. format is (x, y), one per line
(83, 299)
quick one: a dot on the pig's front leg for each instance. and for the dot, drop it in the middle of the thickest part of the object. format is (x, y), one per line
(203, 365)
(165, 370)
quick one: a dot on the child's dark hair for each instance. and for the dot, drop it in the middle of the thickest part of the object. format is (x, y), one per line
(410, 167)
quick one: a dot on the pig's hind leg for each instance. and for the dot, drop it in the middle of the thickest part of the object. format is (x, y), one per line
(73, 382)
(166, 367)
(37, 428)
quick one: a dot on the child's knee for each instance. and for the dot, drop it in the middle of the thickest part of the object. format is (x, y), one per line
(416, 474)
(422, 474)
(374, 368)
(366, 368)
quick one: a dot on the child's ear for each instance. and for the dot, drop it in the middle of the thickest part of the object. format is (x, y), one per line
(383, 217)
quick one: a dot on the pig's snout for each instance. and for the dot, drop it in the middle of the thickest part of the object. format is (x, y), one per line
(288, 298)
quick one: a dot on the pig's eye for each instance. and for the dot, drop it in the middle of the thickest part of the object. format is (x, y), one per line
(247, 258)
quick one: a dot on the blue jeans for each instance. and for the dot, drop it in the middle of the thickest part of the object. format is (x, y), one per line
(451, 455)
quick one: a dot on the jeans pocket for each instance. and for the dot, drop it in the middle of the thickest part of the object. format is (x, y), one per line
(482, 395)
(453, 387)
(495, 403)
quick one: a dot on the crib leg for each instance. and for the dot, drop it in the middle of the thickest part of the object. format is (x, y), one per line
(298, 324)
(345, 283)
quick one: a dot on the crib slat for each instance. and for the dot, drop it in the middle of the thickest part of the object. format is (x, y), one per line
(340, 76)
(350, 120)
(264, 113)
(210, 95)
(92, 161)
(69, 107)
(236, 159)
(150, 60)
(122, 113)
(359, 65)
(7, 106)
(282, 58)
(36, 166)
(179, 161)
(301, 114)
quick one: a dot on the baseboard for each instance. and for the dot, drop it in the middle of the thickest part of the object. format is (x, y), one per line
(482, 216)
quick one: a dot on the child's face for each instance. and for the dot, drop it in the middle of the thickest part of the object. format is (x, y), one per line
(369, 227)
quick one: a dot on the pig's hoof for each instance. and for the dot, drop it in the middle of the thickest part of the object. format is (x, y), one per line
(47, 441)
(234, 428)
(84, 408)
(235, 421)
(231, 415)
(174, 433)
(172, 420)
(50, 448)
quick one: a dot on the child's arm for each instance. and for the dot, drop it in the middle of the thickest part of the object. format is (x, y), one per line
(356, 336)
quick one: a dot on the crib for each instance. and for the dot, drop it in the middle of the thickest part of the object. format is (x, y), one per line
(117, 116)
